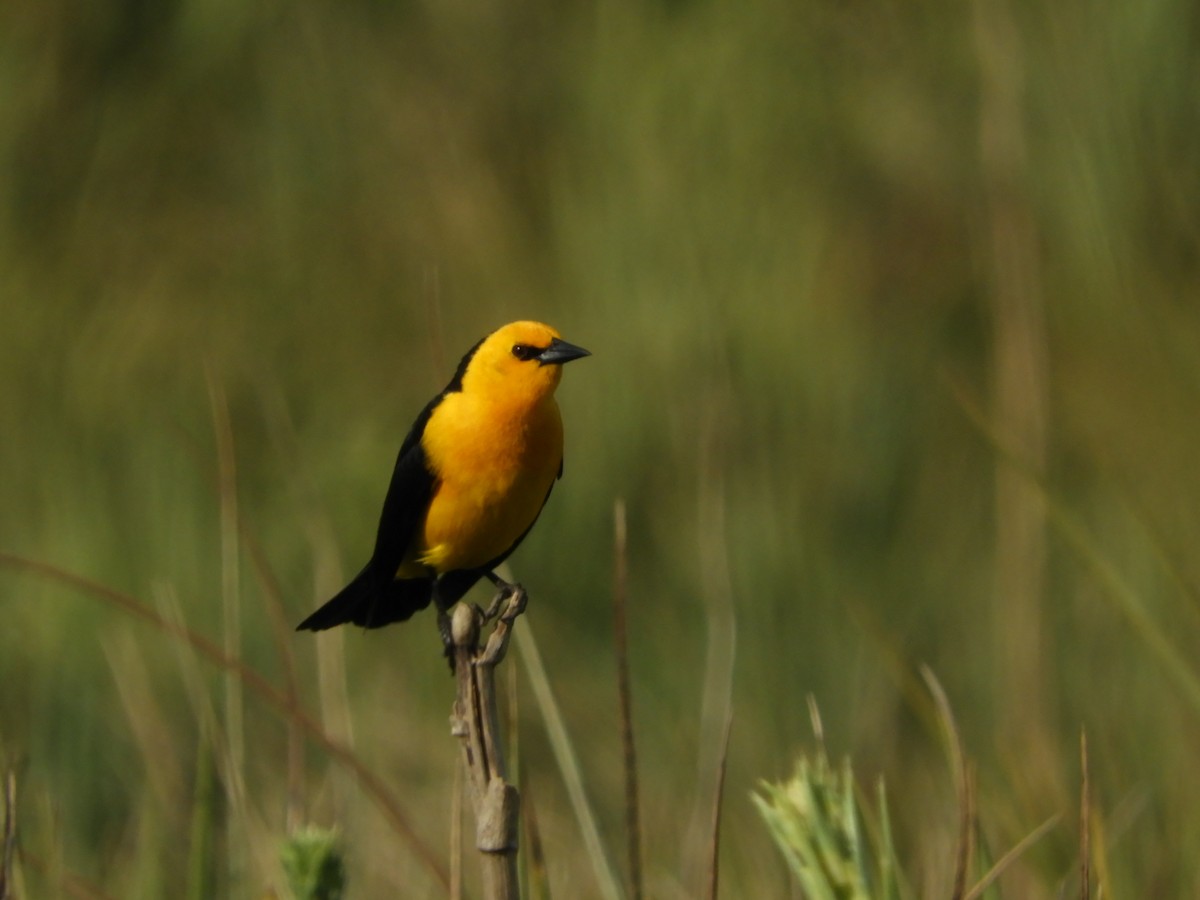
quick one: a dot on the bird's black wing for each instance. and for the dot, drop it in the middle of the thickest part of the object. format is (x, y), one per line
(407, 498)
(411, 487)
(376, 597)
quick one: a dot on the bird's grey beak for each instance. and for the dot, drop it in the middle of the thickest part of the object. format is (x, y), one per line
(560, 352)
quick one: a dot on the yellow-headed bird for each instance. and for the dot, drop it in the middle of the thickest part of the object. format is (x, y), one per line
(471, 477)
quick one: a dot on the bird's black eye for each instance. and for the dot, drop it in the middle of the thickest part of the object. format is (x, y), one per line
(525, 351)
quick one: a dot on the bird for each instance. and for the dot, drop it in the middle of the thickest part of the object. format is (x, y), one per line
(469, 482)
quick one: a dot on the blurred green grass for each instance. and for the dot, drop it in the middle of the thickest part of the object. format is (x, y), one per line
(771, 223)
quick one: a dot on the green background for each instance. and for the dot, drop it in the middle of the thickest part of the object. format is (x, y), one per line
(894, 323)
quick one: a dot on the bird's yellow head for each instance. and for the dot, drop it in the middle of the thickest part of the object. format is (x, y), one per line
(520, 359)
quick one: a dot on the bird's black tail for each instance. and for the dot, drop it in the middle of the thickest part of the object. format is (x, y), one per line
(372, 601)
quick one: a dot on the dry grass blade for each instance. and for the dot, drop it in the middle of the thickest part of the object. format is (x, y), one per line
(814, 718)
(1130, 604)
(1126, 598)
(231, 605)
(1098, 843)
(1010, 857)
(215, 801)
(331, 668)
(568, 764)
(233, 528)
(295, 814)
(146, 719)
(716, 690)
(1013, 281)
(962, 781)
(1085, 824)
(370, 783)
(714, 847)
(633, 827)
(10, 835)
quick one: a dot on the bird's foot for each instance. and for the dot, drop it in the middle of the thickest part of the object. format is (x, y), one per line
(504, 591)
(509, 603)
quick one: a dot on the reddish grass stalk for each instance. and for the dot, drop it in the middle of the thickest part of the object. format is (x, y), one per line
(10, 834)
(1085, 822)
(714, 844)
(370, 783)
(962, 782)
(633, 828)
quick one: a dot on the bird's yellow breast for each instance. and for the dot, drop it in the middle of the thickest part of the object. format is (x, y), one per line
(494, 460)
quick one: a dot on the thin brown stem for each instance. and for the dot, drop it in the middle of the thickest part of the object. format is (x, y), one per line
(10, 834)
(1085, 822)
(294, 814)
(476, 723)
(1010, 857)
(963, 784)
(633, 830)
(714, 845)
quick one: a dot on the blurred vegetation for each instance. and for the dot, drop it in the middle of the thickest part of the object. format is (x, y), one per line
(815, 820)
(314, 865)
(880, 295)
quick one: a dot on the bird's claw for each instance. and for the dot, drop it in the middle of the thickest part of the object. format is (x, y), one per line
(447, 636)
(503, 605)
(497, 603)
(517, 601)
(508, 603)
